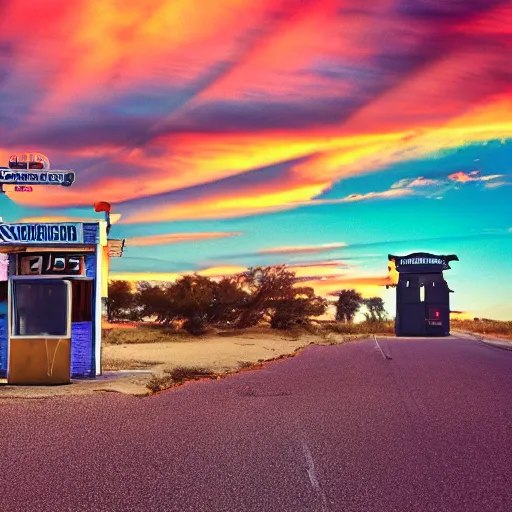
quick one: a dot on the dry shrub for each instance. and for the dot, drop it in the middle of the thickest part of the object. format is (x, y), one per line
(484, 326)
(157, 384)
(371, 327)
(144, 334)
(183, 373)
(113, 364)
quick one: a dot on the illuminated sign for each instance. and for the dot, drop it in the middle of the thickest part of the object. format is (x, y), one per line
(421, 261)
(61, 233)
(11, 176)
(22, 188)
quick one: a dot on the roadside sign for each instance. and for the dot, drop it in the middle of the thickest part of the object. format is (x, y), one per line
(31, 177)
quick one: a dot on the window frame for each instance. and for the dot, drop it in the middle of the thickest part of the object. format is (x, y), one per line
(11, 307)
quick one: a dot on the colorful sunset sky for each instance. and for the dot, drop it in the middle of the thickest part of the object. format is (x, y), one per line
(321, 134)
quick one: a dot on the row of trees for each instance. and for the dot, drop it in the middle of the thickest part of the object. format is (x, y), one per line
(350, 302)
(243, 300)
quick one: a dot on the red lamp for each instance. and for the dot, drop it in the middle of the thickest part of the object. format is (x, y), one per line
(103, 206)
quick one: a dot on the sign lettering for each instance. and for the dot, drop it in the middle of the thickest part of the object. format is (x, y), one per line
(51, 264)
(11, 176)
(421, 261)
(64, 233)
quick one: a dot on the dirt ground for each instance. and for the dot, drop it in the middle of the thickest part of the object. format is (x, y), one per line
(128, 367)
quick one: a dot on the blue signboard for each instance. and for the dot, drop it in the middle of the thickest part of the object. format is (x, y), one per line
(32, 177)
(91, 233)
(58, 233)
(82, 354)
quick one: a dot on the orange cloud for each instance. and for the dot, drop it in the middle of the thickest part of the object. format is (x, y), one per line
(370, 286)
(175, 238)
(114, 218)
(198, 159)
(212, 272)
(227, 205)
(179, 58)
(316, 271)
(222, 271)
(461, 315)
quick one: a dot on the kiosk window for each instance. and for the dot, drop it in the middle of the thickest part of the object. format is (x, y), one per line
(81, 301)
(40, 308)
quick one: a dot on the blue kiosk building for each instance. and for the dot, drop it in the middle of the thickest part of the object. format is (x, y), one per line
(53, 287)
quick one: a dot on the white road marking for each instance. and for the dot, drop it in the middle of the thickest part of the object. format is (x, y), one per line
(385, 356)
(312, 477)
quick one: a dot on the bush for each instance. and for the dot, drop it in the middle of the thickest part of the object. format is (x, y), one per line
(183, 373)
(195, 326)
(484, 326)
(367, 327)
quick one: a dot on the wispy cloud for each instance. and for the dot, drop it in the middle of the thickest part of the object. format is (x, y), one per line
(213, 272)
(416, 182)
(386, 194)
(321, 263)
(497, 184)
(303, 249)
(114, 219)
(176, 238)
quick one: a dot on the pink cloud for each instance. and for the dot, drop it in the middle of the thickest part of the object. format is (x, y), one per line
(463, 177)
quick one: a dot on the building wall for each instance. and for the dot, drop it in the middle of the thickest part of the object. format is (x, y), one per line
(412, 313)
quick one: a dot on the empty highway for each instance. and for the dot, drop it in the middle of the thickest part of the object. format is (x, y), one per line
(408, 425)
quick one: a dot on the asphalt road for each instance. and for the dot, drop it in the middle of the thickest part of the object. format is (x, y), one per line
(340, 428)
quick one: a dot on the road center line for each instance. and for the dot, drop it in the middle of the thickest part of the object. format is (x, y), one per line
(385, 356)
(312, 476)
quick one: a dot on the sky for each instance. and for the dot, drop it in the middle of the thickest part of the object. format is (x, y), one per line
(321, 134)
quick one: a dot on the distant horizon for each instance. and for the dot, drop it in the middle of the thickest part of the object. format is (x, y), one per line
(322, 135)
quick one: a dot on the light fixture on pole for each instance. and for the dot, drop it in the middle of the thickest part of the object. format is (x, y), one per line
(103, 206)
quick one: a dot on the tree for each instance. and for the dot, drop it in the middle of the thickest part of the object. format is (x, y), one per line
(297, 309)
(265, 286)
(120, 299)
(376, 310)
(349, 303)
(272, 291)
(228, 301)
(190, 298)
(153, 301)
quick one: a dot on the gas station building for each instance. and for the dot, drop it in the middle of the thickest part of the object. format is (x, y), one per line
(53, 291)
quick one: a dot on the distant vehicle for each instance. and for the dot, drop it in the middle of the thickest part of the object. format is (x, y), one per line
(29, 161)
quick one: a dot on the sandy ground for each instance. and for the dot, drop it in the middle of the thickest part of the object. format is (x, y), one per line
(216, 353)
(129, 367)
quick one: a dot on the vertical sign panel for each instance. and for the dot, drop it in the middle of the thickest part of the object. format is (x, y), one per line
(4, 266)
(4, 341)
(82, 361)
